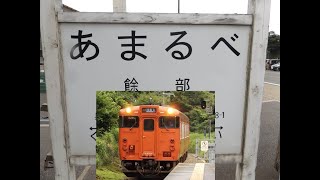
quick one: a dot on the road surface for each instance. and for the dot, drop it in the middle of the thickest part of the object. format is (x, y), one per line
(272, 77)
(269, 134)
(88, 173)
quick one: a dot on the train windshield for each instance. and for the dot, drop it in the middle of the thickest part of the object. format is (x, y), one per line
(169, 122)
(128, 121)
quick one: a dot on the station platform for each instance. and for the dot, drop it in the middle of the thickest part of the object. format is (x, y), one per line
(192, 171)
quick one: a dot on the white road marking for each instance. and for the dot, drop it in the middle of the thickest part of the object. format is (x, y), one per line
(272, 83)
(44, 125)
(271, 101)
(197, 171)
(84, 172)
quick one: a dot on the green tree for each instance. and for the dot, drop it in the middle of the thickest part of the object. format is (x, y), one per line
(107, 111)
(273, 49)
(187, 100)
(144, 98)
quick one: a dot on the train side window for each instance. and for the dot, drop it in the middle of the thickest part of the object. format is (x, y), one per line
(182, 130)
(148, 125)
(128, 121)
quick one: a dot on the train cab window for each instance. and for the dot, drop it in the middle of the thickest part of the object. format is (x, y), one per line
(128, 121)
(148, 125)
(168, 122)
(177, 122)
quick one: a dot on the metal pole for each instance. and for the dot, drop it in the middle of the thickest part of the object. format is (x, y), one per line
(179, 6)
(196, 147)
(162, 99)
(209, 128)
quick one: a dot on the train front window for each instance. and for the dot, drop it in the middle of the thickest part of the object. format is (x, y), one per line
(169, 122)
(148, 125)
(128, 121)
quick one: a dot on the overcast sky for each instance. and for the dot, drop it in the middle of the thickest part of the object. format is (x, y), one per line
(171, 6)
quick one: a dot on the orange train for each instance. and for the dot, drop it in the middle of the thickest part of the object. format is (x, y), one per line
(152, 139)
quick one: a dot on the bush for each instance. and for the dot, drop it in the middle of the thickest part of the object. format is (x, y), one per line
(199, 136)
(193, 137)
(107, 148)
(101, 154)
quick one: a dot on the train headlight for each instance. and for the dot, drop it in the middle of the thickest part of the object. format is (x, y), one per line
(171, 141)
(170, 111)
(128, 110)
(124, 140)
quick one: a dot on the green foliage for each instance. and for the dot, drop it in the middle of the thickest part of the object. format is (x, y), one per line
(198, 117)
(193, 137)
(187, 100)
(144, 98)
(109, 172)
(107, 156)
(273, 49)
(107, 111)
(107, 148)
(199, 136)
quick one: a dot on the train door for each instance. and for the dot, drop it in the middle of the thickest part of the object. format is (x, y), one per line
(148, 138)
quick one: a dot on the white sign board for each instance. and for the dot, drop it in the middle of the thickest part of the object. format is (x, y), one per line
(88, 52)
(215, 58)
(204, 145)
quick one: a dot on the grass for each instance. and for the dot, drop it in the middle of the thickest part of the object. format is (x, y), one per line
(107, 160)
(200, 136)
(109, 172)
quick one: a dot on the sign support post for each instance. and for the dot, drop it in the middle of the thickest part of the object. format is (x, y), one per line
(119, 5)
(50, 36)
(260, 9)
